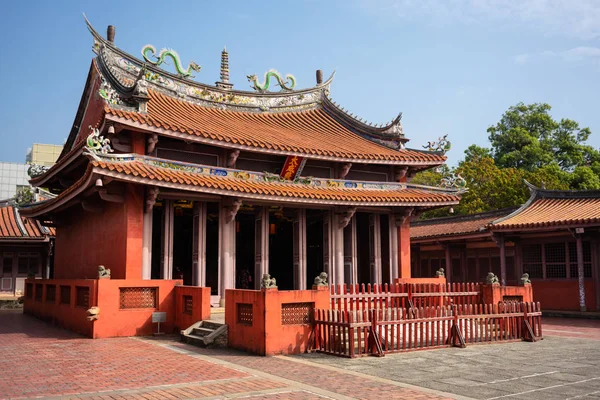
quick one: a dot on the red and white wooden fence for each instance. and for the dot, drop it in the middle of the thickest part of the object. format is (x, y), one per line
(403, 295)
(390, 330)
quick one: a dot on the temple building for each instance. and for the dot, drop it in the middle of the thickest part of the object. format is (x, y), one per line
(25, 250)
(163, 177)
(554, 237)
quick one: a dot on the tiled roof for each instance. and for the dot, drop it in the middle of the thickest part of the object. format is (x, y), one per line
(547, 212)
(60, 163)
(455, 226)
(312, 132)
(153, 171)
(14, 226)
(248, 188)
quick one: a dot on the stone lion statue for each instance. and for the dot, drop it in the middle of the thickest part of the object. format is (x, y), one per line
(321, 280)
(103, 273)
(525, 278)
(491, 279)
(268, 282)
(440, 273)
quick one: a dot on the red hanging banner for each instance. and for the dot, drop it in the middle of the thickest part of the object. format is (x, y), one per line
(292, 168)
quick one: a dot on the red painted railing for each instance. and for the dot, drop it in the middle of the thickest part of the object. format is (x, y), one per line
(380, 331)
(403, 295)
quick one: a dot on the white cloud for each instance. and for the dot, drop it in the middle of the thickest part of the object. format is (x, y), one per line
(576, 18)
(572, 55)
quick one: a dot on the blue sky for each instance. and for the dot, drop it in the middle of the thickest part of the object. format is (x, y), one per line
(451, 66)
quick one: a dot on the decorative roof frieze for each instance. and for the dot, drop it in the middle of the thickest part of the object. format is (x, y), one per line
(259, 176)
(124, 70)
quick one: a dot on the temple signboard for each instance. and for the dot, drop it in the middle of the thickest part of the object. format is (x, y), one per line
(292, 168)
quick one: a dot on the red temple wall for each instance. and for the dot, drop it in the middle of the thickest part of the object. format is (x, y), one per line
(112, 238)
(563, 294)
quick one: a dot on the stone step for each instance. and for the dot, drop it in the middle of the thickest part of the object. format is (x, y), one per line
(201, 332)
(213, 325)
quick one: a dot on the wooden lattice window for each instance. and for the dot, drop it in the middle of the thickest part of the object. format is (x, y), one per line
(296, 313)
(188, 304)
(587, 260)
(518, 299)
(82, 296)
(50, 293)
(245, 314)
(137, 297)
(532, 261)
(65, 294)
(556, 260)
(39, 291)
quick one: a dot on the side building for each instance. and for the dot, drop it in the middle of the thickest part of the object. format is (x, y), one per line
(25, 250)
(554, 237)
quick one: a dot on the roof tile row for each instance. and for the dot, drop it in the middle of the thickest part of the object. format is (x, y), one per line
(309, 132)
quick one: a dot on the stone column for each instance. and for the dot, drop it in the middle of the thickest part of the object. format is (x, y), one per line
(580, 273)
(338, 245)
(261, 245)
(375, 248)
(147, 245)
(167, 240)
(393, 249)
(350, 253)
(300, 250)
(199, 245)
(327, 245)
(227, 211)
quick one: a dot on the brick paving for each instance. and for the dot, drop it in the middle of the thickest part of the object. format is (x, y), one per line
(38, 360)
(338, 382)
(571, 327)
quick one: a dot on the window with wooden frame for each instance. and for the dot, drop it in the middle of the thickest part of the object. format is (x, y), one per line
(557, 260)
(28, 263)
(7, 264)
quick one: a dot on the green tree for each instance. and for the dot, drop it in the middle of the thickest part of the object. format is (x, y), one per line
(490, 187)
(528, 138)
(474, 152)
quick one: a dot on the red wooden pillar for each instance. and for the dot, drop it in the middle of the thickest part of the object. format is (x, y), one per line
(404, 248)
(448, 256)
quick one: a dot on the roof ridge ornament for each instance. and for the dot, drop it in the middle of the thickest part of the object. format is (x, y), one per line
(453, 181)
(150, 51)
(98, 143)
(267, 83)
(442, 145)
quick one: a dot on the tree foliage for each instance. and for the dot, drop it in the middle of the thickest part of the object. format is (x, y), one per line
(526, 144)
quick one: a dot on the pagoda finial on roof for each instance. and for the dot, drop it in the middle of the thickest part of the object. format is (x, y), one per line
(224, 82)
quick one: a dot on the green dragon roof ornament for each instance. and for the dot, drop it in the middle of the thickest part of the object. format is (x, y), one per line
(280, 82)
(150, 51)
(443, 145)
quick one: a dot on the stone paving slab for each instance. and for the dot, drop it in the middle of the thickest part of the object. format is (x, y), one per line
(558, 367)
(38, 360)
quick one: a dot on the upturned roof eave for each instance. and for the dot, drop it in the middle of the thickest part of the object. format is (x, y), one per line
(228, 145)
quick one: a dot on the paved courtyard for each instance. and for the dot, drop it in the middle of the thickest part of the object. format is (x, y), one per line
(37, 360)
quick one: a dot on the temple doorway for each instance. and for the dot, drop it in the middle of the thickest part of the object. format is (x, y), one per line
(182, 241)
(385, 249)
(157, 212)
(244, 249)
(212, 248)
(281, 247)
(363, 248)
(314, 245)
